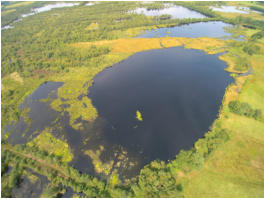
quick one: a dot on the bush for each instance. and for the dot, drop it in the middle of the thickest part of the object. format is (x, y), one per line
(251, 49)
(164, 17)
(187, 160)
(155, 180)
(257, 35)
(243, 108)
(212, 140)
(241, 64)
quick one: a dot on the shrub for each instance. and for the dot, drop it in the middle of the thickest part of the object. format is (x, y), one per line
(155, 180)
(251, 49)
(243, 108)
(241, 64)
(187, 160)
(212, 140)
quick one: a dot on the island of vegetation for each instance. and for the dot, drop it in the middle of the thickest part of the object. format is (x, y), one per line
(139, 116)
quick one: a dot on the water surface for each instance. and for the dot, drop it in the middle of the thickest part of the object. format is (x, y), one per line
(234, 9)
(40, 114)
(30, 189)
(49, 7)
(179, 12)
(39, 10)
(178, 92)
(202, 29)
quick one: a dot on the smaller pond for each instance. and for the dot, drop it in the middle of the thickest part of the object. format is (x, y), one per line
(147, 2)
(91, 3)
(235, 9)
(39, 10)
(9, 25)
(39, 114)
(176, 12)
(30, 188)
(6, 27)
(214, 29)
(49, 7)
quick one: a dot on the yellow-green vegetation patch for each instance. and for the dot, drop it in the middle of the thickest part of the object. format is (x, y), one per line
(19, 4)
(45, 141)
(14, 91)
(114, 179)
(33, 178)
(209, 45)
(92, 26)
(3, 13)
(99, 166)
(76, 84)
(139, 116)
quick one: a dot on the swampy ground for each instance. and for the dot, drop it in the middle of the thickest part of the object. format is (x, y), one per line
(49, 61)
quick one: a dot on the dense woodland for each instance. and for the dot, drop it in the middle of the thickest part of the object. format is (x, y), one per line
(39, 45)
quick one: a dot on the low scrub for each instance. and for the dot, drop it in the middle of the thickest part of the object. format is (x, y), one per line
(243, 108)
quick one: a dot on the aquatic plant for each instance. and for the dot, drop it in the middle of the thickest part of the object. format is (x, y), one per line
(51, 144)
(139, 116)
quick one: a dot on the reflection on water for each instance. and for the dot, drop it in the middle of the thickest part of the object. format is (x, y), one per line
(6, 27)
(91, 3)
(49, 7)
(40, 114)
(235, 9)
(32, 185)
(39, 10)
(214, 29)
(201, 29)
(179, 12)
(177, 91)
(9, 25)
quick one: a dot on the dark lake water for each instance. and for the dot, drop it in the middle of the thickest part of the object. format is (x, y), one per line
(178, 92)
(201, 29)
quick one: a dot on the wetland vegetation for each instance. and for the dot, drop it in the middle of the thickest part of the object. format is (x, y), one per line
(84, 116)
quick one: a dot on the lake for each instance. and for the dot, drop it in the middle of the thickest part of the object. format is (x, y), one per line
(234, 9)
(176, 12)
(178, 91)
(49, 7)
(39, 10)
(201, 29)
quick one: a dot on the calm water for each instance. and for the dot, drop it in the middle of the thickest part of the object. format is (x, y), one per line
(49, 7)
(40, 113)
(29, 189)
(235, 9)
(201, 29)
(178, 92)
(179, 12)
(39, 10)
